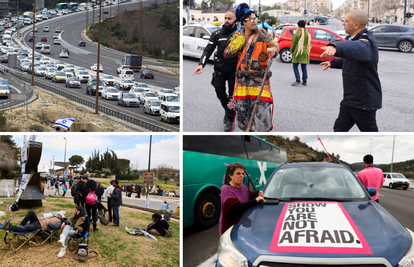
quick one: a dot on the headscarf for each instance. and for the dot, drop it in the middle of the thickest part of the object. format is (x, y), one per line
(243, 11)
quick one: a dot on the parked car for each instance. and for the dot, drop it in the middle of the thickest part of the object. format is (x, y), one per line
(147, 74)
(321, 37)
(395, 36)
(315, 214)
(128, 100)
(152, 107)
(396, 180)
(195, 39)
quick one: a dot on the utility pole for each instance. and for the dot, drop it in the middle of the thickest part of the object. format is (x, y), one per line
(140, 31)
(392, 157)
(64, 159)
(149, 157)
(405, 12)
(97, 67)
(33, 44)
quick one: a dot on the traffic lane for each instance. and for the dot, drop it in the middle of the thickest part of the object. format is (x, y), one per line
(69, 27)
(132, 111)
(313, 108)
(398, 202)
(199, 246)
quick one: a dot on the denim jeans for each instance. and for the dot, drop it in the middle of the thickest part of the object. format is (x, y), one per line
(68, 232)
(116, 214)
(304, 72)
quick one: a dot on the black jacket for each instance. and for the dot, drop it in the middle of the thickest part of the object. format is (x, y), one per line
(220, 40)
(159, 226)
(116, 197)
(359, 64)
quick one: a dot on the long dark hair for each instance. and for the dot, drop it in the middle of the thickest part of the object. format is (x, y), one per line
(81, 212)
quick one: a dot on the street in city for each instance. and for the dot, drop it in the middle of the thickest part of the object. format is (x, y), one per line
(313, 108)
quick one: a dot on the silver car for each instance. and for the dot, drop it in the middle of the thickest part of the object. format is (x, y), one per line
(396, 36)
(110, 93)
(152, 107)
(128, 100)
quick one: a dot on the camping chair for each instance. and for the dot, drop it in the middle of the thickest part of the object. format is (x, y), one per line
(80, 237)
(50, 234)
(26, 238)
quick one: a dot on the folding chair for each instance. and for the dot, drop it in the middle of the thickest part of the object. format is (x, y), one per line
(50, 234)
(80, 237)
(26, 236)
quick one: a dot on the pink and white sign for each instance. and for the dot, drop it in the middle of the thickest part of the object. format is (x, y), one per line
(317, 227)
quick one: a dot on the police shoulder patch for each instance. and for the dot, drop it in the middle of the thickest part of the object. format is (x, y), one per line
(363, 39)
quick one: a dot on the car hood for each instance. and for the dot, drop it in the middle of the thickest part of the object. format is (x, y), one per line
(131, 99)
(356, 229)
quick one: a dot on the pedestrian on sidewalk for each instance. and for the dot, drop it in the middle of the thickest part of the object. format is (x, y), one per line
(64, 188)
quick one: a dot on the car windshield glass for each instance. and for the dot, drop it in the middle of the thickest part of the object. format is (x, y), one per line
(138, 90)
(173, 99)
(75, 79)
(112, 90)
(128, 81)
(150, 95)
(129, 96)
(60, 74)
(100, 83)
(4, 87)
(84, 73)
(168, 91)
(312, 182)
(4, 82)
(174, 109)
(155, 103)
(143, 85)
(398, 175)
(109, 77)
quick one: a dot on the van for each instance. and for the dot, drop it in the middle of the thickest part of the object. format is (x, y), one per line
(395, 180)
(170, 112)
(127, 73)
(45, 49)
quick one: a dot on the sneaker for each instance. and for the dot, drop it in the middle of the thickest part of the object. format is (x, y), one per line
(115, 225)
(7, 224)
(225, 119)
(295, 83)
(62, 252)
(304, 84)
(96, 229)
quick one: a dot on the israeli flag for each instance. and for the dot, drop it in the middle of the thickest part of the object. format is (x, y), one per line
(147, 202)
(64, 122)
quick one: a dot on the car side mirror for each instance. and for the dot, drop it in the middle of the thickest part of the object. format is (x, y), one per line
(372, 191)
(206, 37)
(338, 39)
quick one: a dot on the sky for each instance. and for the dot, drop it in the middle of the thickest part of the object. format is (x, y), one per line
(352, 148)
(165, 148)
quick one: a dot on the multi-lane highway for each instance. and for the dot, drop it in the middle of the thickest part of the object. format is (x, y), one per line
(72, 26)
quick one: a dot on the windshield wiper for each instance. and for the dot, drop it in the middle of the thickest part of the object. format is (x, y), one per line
(320, 199)
(272, 200)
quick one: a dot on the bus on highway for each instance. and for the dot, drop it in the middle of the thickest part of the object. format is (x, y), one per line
(73, 6)
(61, 6)
(204, 159)
(323, 20)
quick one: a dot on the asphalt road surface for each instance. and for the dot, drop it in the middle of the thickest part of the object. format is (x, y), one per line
(313, 108)
(72, 26)
(200, 246)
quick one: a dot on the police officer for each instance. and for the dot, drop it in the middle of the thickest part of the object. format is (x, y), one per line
(359, 64)
(224, 69)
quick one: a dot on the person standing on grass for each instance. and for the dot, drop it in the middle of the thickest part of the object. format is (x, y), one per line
(301, 45)
(108, 193)
(116, 198)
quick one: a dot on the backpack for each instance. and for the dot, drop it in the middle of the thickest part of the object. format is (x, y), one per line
(91, 198)
(64, 188)
(73, 190)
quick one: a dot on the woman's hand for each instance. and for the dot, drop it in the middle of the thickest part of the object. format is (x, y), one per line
(261, 193)
(260, 199)
(62, 226)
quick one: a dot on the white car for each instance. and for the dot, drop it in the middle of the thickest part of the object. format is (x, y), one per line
(68, 72)
(195, 39)
(152, 107)
(94, 67)
(45, 60)
(79, 69)
(56, 41)
(60, 65)
(122, 67)
(143, 86)
(126, 84)
(24, 66)
(138, 92)
(4, 91)
(170, 98)
(148, 96)
(395, 180)
(110, 93)
(83, 76)
(38, 45)
(46, 28)
(164, 92)
(127, 74)
(108, 80)
(63, 54)
(49, 73)
(70, 67)
(40, 71)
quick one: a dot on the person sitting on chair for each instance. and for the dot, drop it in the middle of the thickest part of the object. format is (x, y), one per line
(159, 227)
(50, 222)
(75, 225)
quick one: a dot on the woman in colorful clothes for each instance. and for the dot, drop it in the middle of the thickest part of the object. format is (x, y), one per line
(64, 188)
(76, 225)
(236, 198)
(253, 47)
(301, 45)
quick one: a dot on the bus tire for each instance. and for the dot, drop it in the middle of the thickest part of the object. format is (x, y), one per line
(207, 210)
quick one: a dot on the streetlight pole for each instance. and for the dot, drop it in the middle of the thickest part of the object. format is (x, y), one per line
(392, 157)
(33, 44)
(99, 53)
(64, 159)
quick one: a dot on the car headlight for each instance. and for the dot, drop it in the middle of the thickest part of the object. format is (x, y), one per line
(408, 259)
(228, 254)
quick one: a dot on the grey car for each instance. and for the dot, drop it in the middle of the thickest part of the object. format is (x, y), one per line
(152, 107)
(395, 36)
(128, 100)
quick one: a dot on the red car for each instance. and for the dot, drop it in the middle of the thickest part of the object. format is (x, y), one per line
(321, 37)
(44, 39)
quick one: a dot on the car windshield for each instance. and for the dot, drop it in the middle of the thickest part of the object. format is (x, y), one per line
(174, 109)
(108, 77)
(94, 83)
(4, 87)
(150, 94)
(128, 81)
(129, 96)
(312, 183)
(112, 90)
(4, 82)
(168, 91)
(148, 72)
(60, 73)
(70, 66)
(142, 85)
(138, 90)
(75, 79)
(173, 99)
(155, 103)
(398, 175)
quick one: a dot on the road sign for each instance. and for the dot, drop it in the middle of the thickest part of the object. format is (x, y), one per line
(148, 177)
(162, 52)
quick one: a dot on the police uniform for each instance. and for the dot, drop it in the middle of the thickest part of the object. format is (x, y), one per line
(362, 87)
(224, 69)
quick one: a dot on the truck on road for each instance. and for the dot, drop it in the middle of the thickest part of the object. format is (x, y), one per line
(28, 15)
(134, 62)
